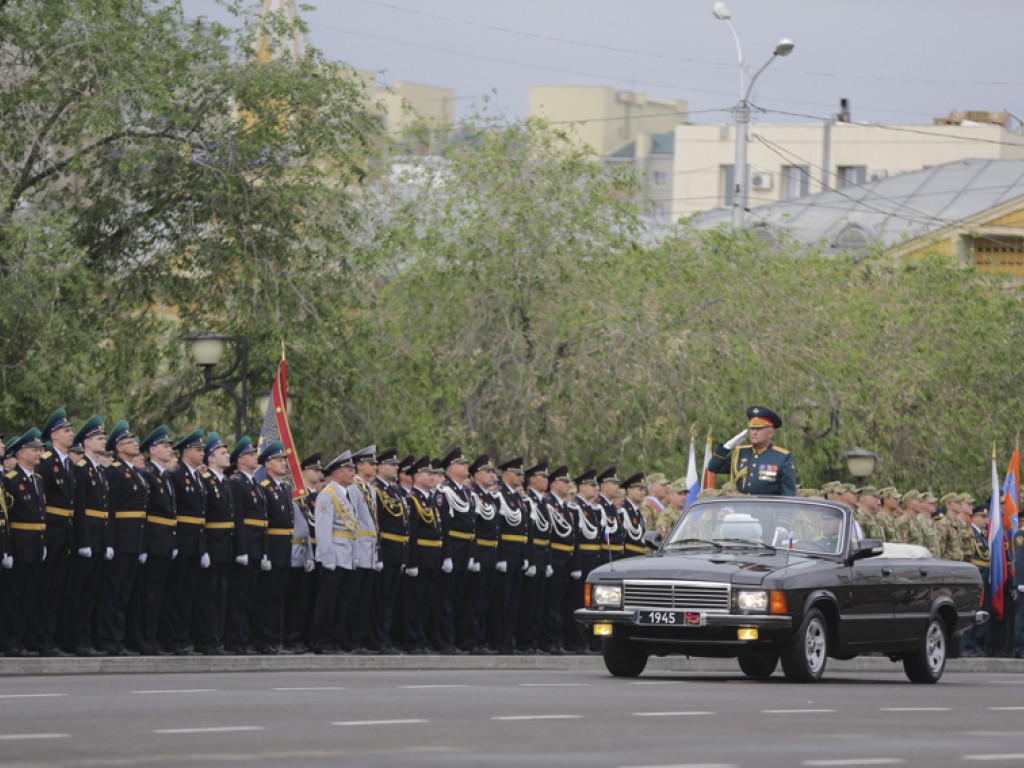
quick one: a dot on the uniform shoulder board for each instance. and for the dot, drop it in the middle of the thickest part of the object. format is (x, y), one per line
(47, 454)
(82, 462)
(781, 450)
(265, 482)
(11, 475)
(116, 464)
(207, 474)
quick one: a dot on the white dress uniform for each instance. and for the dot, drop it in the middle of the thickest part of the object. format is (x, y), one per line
(365, 552)
(336, 527)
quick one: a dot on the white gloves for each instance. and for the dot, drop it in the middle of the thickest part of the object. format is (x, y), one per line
(329, 566)
(1019, 589)
(412, 572)
(7, 563)
(531, 571)
(309, 566)
(142, 558)
(548, 571)
(242, 559)
(44, 554)
(502, 566)
(85, 552)
(576, 575)
(526, 566)
(265, 564)
(174, 553)
(378, 566)
(446, 565)
(473, 566)
(108, 554)
(204, 560)
(732, 442)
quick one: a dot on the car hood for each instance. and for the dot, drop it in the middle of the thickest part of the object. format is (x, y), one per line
(736, 566)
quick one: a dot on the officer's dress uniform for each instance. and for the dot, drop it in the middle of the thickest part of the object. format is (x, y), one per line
(159, 544)
(512, 550)
(769, 472)
(57, 473)
(456, 511)
(266, 614)
(300, 590)
(426, 552)
(535, 578)
(472, 634)
(22, 596)
(393, 540)
(588, 556)
(129, 495)
(92, 532)
(633, 529)
(250, 509)
(613, 548)
(335, 528)
(211, 592)
(363, 586)
(183, 579)
(562, 559)
(1018, 588)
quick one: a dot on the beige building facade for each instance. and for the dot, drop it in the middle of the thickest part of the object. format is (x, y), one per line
(434, 105)
(786, 161)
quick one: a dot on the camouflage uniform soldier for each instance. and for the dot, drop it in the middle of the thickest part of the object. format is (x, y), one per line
(966, 502)
(653, 504)
(906, 524)
(675, 501)
(886, 517)
(832, 490)
(948, 530)
(810, 493)
(867, 509)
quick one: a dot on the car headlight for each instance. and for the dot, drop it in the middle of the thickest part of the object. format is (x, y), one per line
(606, 595)
(752, 600)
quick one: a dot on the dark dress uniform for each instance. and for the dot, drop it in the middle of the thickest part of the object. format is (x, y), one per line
(250, 510)
(613, 537)
(512, 551)
(183, 579)
(266, 615)
(766, 473)
(532, 597)
(211, 591)
(632, 529)
(588, 556)
(300, 589)
(562, 558)
(456, 511)
(22, 595)
(159, 543)
(57, 473)
(426, 552)
(480, 584)
(129, 495)
(393, 544)
(92, 532)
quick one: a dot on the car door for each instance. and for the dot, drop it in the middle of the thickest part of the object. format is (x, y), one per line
(866, 605)
(911, 590)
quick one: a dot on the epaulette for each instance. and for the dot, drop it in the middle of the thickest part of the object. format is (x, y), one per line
(207, 474)
(82, 462)
(116, 464)
(11, 475)
(47, 454)
(781, 450)
(265, 482)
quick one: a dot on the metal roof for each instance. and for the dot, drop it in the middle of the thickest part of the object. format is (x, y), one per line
(891, 210)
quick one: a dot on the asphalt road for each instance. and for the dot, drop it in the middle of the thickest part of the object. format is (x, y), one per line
(508, 718)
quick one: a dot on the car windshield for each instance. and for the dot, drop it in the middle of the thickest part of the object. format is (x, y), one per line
(805, 526)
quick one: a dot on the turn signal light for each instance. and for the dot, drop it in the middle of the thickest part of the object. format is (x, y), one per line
(586, 595)
(777, 603)
(747, 633)
(602, 630)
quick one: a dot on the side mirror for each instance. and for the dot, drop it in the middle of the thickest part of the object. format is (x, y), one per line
(867, 548)
(652, 540)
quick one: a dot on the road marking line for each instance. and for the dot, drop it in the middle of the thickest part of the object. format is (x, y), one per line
(537, 717)
(1007, 682)
(183, 690)
(858, 761)
(437, 685)
(553, 685)
(1005, 709)
(31, 695)
(795, 711)
(984, 758)
(670, 714)
(379, 722)
(215, 729)
(685, 765)
(915, 709)
(314, 688)
(652, 682)
(26, 736)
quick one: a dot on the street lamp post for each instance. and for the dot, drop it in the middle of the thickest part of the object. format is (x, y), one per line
(207, 350)
(742, 112)
(860, 462)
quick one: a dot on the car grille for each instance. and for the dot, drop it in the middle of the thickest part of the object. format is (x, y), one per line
(691, 595)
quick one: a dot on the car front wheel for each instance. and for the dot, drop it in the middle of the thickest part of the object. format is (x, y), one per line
(926, 663)
(803, 660)
(622, 658)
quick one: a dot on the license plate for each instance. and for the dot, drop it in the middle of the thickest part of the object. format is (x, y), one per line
(671, 618)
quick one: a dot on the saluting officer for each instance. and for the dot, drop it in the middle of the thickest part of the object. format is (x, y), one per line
(512, 557)
(426, 556)
(456, 511)
(22, 597)
(93, 541)
(266, 614)
(335, 528)
(57, 472)
(483, 558)
(393, 538)
(250, 547)
(587, 514)
(190, 535)
(562, 562)
(611, 523)
(758, 467)
(219, 528)
(632, 519)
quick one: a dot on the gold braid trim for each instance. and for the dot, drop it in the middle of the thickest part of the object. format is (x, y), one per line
(392, 506)
(339, 510)
(426, 516)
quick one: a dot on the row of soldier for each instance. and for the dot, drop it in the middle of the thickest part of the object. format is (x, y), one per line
(112, 545)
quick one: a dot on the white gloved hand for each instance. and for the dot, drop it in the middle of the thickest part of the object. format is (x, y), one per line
(329, 566)
(242, 559)
(204, 560)
(265, 564)
(378, 566)
(576, 575)
(548, 571)
(733, 441)
(475, 567)
(470, 564)
(7, 563)
(44, 554)
(174, 554)
(1020, 588)
(309, 566)
(446, 565)
(526, 565)
(85, 552)
(142, 558)
(108, 554)
(412, 572)
(531, 571)
(501, 567)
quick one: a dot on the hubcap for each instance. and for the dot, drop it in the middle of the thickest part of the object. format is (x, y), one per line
(814, 645)
(935, 647)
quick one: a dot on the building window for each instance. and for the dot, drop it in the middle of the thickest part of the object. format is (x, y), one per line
(660, 178)
(796, 181)
(998, 253)
(852, 175)
(728, 184)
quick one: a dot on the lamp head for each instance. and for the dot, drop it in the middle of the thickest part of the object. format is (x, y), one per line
(721, 11)
(784, 48)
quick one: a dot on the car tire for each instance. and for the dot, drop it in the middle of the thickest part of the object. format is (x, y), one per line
(926, 663)
(758, 664)
(622, 658)
(803, 659)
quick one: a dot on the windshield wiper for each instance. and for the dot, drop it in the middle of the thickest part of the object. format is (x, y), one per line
(686, 542)
(751, 542)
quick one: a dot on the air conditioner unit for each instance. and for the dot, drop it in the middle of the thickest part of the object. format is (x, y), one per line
(761, 181)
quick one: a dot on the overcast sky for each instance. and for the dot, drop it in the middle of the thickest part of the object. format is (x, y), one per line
(897, 61)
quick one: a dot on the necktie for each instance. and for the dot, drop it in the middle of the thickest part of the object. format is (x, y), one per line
(70, 475)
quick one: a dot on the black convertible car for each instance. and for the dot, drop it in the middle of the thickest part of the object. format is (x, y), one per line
(764, 578)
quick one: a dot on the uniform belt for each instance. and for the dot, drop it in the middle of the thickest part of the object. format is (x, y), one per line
(541, 542)
(97, 513)
(589, 547)
(462, 535)
(280, 531)
(219, 526)
(298, 542)
(191, 520)
(16, 526)
(562, 547)
(255, 523)
(513, 537)
(395, 537)
(168, 521)
(366, 533)
(487, 542)
(612, 547)
(130, 514)
(636, 548)
(429, 542)
(343, 534)
(59, 511)
(982, 563)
